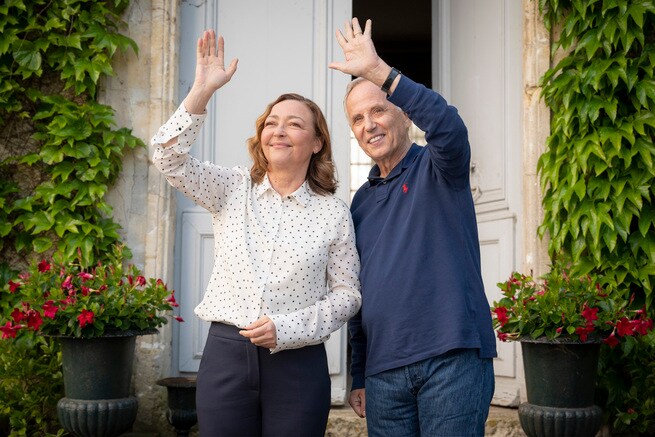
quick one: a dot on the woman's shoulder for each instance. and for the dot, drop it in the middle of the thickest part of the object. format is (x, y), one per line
(331, 201)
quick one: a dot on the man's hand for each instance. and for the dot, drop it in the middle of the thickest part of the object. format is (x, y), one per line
(357, 401)
(361, 58)
(261, 333)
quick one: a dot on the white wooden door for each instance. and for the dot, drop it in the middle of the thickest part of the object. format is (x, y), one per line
(282, 46)
(478, 69)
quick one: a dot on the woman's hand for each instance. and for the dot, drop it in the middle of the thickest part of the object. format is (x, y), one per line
(261, 333)
(211, 73)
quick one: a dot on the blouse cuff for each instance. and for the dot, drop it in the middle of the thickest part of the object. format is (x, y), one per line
(183, 125)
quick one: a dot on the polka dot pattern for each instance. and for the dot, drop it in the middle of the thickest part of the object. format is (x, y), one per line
(292, 258)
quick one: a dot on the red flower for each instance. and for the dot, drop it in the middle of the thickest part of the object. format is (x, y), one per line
(584, 332)
(85, 290)
(34, 319)
(501, 315)
(44, 266)
(405, 189)
(172, 300)
(178, 318)
(70, 300)
(140, 281)
(611, 341)
(13, 286)
(17, 315)
(624, 327)
(50, 309)
(502, 336)
(590, 314)
(85, 318)
(9, 330)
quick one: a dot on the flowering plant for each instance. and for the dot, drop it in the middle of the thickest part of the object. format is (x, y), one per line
(64, 299)
(560, 305)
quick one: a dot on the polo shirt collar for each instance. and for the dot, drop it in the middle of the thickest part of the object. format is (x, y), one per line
(374, 174)
(302, 195)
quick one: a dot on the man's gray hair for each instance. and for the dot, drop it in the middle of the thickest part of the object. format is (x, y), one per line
(353, 83)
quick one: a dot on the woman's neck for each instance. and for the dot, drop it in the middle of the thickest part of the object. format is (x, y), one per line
(285, 183)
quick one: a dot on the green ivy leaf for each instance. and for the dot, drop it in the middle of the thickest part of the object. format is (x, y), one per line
(41, 244)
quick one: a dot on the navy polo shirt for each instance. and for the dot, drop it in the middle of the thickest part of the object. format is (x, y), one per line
(422, 291)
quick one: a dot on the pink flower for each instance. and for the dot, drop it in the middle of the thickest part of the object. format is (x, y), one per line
(68, 283)
(85, 276)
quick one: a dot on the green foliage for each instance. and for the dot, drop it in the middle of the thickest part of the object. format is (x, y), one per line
(58, 170)
(31, 385)
(598, 172)
(59, 153)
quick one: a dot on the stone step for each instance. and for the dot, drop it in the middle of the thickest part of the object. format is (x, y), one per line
(502, 422)
(343, 422)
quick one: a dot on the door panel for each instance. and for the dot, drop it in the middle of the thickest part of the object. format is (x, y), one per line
(478, 69)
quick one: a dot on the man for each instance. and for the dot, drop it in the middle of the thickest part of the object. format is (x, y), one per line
(423, 343)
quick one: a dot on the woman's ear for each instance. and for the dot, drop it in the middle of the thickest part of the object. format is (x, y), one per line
(319, 145)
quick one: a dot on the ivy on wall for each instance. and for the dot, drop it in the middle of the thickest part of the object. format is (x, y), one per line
(59, 148)
(598, 174)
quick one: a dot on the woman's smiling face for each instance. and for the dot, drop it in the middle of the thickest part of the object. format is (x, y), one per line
(288, 138)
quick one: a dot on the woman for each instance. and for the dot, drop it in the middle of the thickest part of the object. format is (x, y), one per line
(286, 267)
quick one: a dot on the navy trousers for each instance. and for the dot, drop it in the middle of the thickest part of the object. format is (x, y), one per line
(243, 390)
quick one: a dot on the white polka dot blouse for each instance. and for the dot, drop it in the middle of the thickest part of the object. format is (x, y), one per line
(292, 258)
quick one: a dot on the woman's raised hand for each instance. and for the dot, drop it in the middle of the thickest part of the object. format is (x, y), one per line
(211, 73)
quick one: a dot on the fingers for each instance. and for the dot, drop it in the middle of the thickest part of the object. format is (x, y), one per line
(356, 28)
(221, 50)
(357, 401)
(261, 332)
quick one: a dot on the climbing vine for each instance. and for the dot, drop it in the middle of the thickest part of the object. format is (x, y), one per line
(60, 152)
(598, 174)
(59, 149)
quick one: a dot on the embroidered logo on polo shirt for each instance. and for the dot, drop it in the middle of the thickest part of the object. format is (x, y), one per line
(405, 188)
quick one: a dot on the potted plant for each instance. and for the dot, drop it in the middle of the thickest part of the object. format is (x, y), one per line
(561, 322)
(95, 313)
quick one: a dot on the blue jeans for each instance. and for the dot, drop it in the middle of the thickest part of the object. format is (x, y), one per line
(447, 395)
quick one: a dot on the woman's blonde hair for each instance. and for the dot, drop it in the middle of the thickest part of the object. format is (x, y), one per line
(320, 174)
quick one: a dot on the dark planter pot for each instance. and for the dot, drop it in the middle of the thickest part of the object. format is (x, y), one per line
(97, 378)
(560, 379)
(181, 412)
